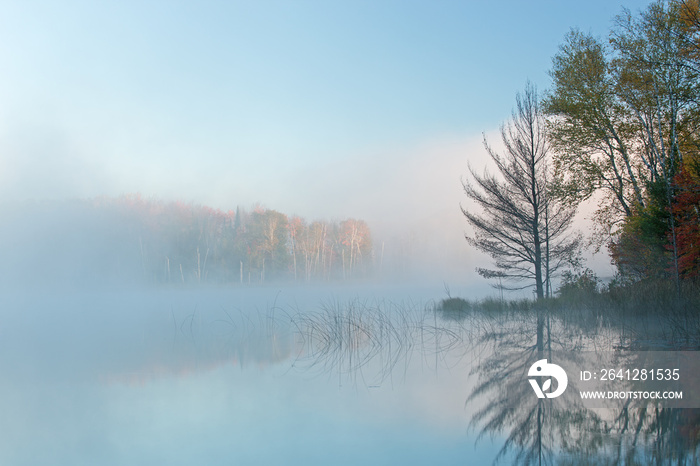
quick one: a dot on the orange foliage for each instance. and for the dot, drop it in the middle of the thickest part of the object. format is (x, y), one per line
(686, 210)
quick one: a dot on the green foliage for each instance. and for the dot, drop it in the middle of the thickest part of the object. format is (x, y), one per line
(652, 297)
(589, 129)
(578, 285)
(458, 308)
(454, 308)
(641, 249)
(455, 304)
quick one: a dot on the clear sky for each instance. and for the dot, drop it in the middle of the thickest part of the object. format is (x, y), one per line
(325, 109)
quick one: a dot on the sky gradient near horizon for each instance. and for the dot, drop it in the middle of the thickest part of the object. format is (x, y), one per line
(323, 109)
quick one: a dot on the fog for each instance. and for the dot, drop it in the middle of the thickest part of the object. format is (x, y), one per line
(409, 195)
(310, 110)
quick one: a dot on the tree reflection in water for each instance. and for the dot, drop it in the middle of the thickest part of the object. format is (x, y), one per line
(562, 430)
(501, 347)
(505, 403)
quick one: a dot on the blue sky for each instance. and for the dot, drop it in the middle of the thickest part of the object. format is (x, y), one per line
(327, 109)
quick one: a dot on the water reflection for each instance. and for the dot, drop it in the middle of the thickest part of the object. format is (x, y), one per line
(562, 430)
(498, 350)
(538, 430)
(197, 341)
(175, 378)
(192, 378)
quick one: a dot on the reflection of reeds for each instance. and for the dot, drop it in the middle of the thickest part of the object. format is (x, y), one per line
(350, 338)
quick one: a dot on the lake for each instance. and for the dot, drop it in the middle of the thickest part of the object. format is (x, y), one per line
(367, 375)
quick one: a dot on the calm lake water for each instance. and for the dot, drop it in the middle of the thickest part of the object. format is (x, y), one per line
(303, 376)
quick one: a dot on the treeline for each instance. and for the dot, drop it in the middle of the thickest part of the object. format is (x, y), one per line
(624, 123)
(184, 243)
(146, 241)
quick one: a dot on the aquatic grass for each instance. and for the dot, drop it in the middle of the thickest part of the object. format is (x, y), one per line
(371, 339)
(645, 314)
(346, 337)
(458, 308)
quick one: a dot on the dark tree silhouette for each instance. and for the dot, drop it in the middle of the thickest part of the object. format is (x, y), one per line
(523, 227)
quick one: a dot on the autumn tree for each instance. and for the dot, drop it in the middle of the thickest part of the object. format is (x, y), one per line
(625, 114)
(355, 244)
(267, 242)
(689, 32)
(589, 133)
(522, 225)
(296, 227)
(686, 210)
(319, 256)
(659, 90)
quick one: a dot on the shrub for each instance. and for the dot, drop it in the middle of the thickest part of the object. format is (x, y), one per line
(578, 285)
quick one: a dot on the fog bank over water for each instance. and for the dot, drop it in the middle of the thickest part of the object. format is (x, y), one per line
(76, 245)
(410, 198)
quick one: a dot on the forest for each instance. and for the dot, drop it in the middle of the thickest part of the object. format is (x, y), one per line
(132, 239)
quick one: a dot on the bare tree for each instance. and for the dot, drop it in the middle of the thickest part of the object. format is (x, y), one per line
(522, 226)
